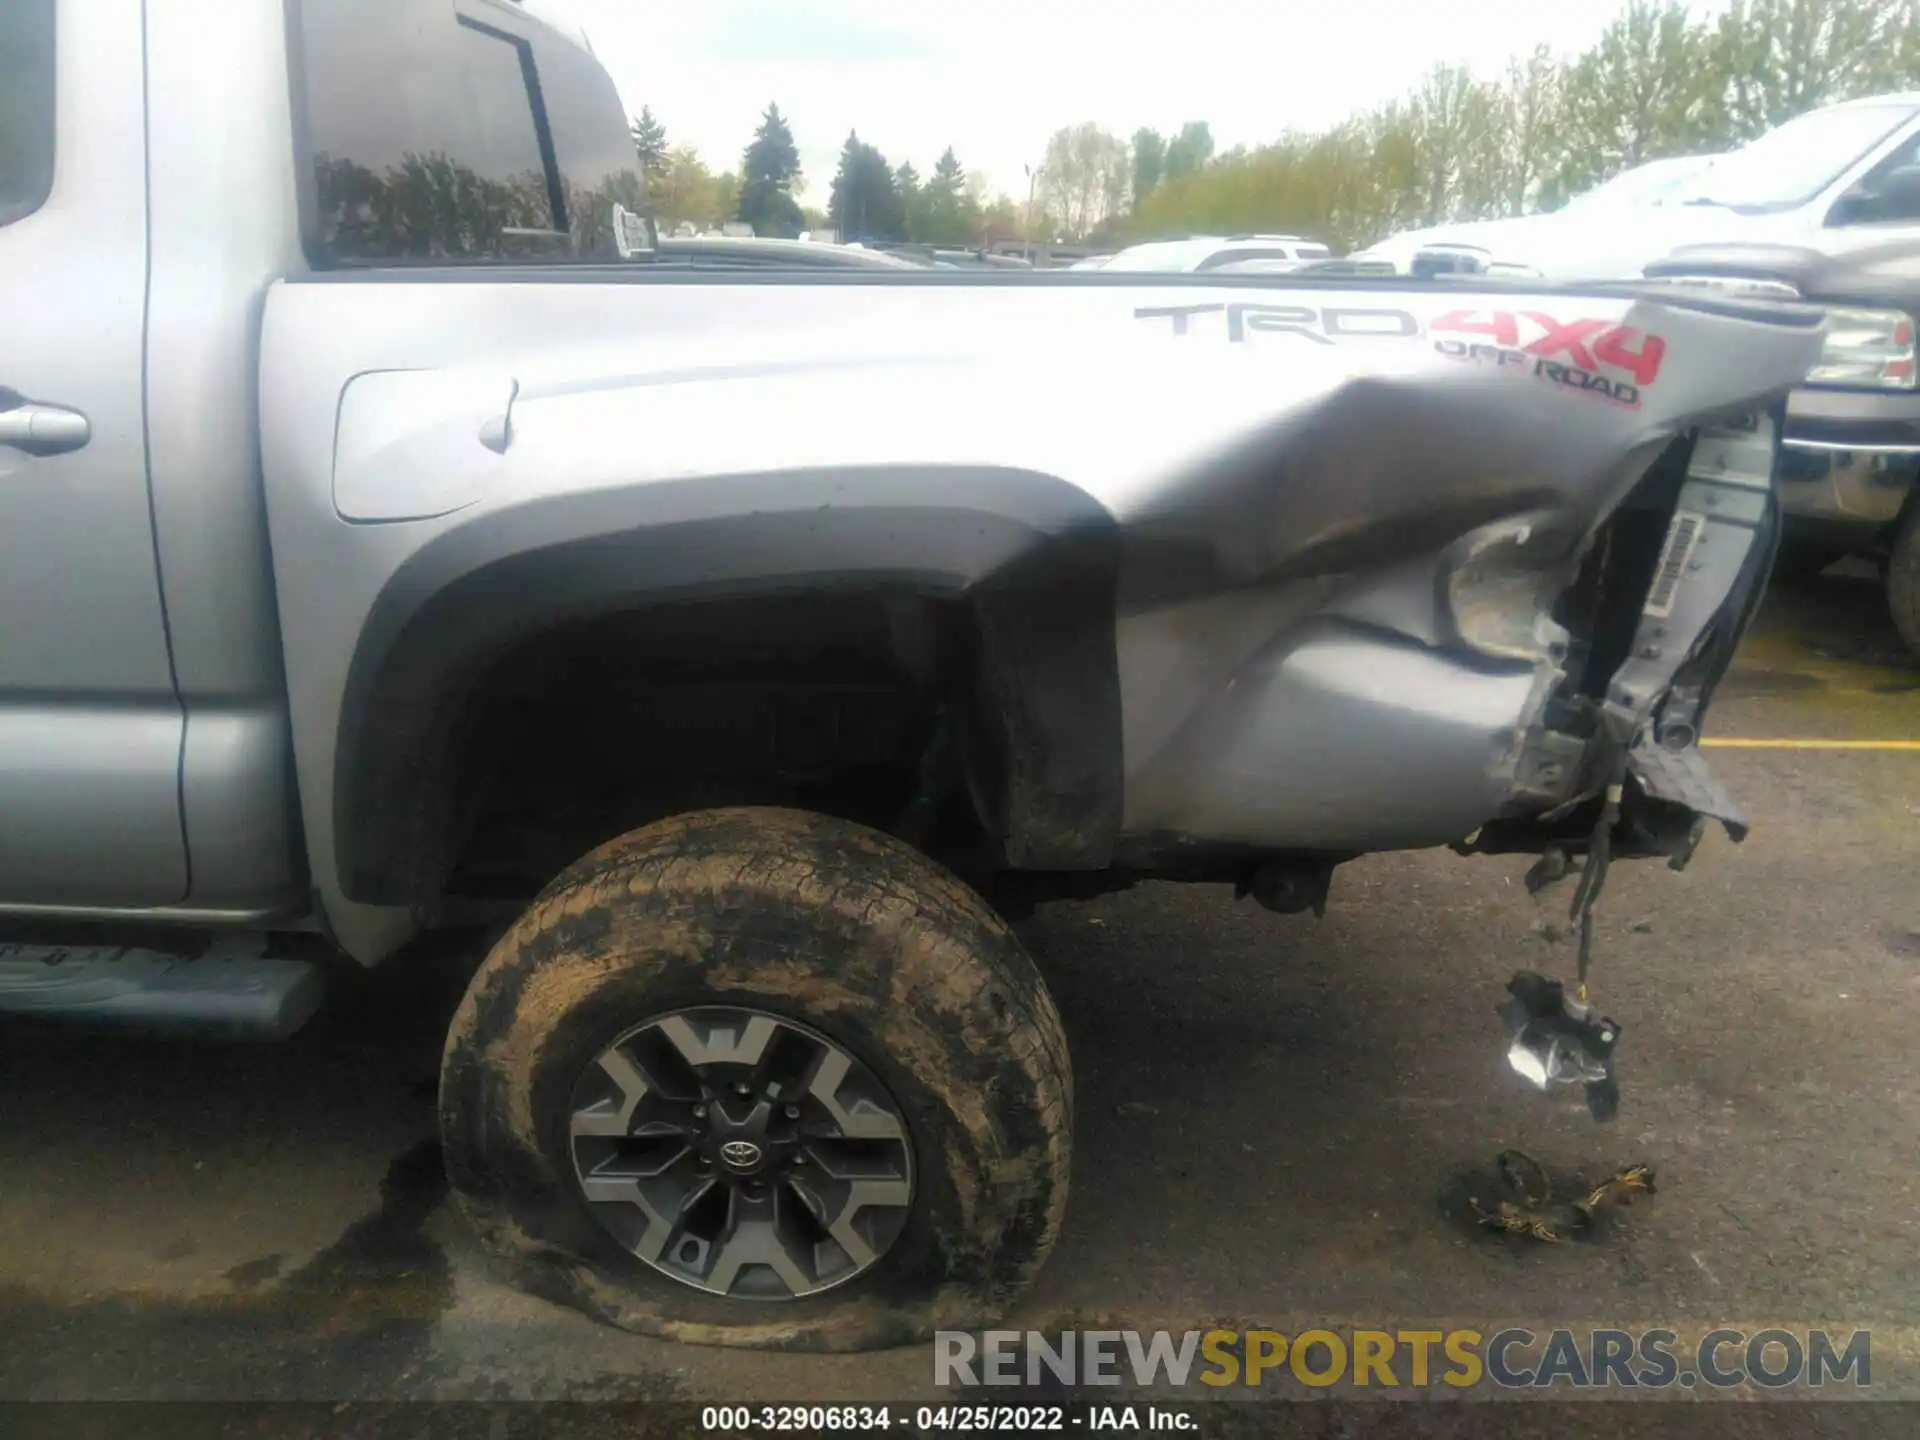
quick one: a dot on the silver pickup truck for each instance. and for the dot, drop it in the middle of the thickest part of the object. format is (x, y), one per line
(392, 533)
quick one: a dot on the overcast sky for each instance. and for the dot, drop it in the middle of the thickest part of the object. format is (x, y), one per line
(994, 78)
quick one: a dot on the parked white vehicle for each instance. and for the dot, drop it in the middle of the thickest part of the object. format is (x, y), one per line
(1671, 181)
(1523, 242)
(1212, 252)
(1798, 184)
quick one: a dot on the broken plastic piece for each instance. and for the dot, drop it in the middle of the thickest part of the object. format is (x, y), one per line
(1556, 1041)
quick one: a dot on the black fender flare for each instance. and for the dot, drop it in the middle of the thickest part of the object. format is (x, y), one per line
(1036, 559)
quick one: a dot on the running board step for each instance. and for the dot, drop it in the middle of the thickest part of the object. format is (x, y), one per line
(226, 993)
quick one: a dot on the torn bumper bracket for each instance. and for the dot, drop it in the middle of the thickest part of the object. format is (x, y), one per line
(1659, 794)
(1682, 778)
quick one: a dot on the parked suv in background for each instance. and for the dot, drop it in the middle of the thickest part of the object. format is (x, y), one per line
(1822, 181)
(1589, 219)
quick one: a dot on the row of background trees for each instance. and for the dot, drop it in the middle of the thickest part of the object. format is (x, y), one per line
(1660, 80)
(871, 198)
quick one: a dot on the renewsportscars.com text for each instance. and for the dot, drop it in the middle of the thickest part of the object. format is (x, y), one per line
(1512, 1358)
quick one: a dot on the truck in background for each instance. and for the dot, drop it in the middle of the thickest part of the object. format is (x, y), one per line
(1824, 210)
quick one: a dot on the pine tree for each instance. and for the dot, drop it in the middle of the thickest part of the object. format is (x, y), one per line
(769, 172)
(650, 140)
(943, 216)
(867, 203)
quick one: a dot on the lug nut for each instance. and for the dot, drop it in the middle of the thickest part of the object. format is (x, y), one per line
(793, 1112)
(740, 1087)
(699, 1112)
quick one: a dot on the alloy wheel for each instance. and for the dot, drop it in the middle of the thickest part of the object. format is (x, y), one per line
(741, 1153)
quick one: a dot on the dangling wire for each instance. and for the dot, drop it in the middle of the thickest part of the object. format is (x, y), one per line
(1593, 879)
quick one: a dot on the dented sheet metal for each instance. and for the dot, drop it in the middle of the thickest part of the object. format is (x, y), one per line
(1252, 570)
(1390, 704)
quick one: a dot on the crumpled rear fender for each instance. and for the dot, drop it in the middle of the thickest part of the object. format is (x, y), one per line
(1295, 672)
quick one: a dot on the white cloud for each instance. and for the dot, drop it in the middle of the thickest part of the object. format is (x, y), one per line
(994, 78)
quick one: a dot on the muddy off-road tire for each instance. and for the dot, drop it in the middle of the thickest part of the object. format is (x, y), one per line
(693, 979)
(1903, 579)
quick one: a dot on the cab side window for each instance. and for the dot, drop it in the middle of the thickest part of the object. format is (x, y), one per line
(447, 133)
(26, 107)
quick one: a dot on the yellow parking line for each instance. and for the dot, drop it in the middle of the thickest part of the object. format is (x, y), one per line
(1889, 745)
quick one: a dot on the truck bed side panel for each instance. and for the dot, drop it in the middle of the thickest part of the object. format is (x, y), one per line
(1292, 454)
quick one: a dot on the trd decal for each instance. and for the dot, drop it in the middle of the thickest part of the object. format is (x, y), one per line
(1322, 327)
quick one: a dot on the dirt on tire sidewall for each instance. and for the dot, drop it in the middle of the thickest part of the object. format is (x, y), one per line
(841, 928)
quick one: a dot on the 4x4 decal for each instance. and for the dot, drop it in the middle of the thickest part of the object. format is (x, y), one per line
(1528, 338)
(1594, 356)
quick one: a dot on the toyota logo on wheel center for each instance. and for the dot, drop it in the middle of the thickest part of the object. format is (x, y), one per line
(740, 1154)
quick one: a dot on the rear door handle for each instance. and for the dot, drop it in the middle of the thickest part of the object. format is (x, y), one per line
(41, 429)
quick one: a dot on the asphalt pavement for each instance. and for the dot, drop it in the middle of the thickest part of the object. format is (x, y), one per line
(1272, 1116)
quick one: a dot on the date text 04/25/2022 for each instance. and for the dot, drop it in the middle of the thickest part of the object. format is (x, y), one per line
(940, 1419)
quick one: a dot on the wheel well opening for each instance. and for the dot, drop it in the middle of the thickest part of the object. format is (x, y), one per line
(829, 703)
